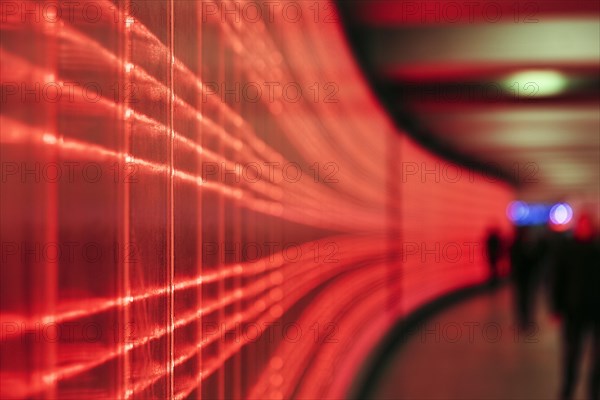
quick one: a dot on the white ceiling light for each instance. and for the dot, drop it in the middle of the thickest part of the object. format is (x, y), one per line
(536, 83)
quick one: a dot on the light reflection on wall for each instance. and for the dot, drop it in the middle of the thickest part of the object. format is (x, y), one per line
(167, 232)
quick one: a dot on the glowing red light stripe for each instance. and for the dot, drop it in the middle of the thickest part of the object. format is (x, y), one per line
(270, 263)
(88, 149)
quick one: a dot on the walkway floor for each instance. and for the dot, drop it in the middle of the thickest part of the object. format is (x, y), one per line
(473, 351)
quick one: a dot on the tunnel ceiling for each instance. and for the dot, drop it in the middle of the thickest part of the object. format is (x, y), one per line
(512, 86)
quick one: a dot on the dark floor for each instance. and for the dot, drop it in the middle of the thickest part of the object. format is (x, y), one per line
(473, 351)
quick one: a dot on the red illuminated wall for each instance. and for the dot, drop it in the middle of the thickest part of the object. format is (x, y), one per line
(175, 224)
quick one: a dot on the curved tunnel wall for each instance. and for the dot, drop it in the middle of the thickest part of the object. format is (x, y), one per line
(202, 201)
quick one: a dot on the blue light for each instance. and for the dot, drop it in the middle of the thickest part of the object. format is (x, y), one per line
(521, 213)
(517, 211)
(561, 214)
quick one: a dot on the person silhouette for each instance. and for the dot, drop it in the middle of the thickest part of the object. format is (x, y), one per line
(576, 300)
(494, 251)
(523, 259)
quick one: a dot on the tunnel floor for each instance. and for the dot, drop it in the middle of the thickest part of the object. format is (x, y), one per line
(473, 351)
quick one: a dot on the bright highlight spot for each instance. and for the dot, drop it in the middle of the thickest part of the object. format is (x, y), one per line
(561, 214)
(517, 211)
(49, 138)
(536, 83)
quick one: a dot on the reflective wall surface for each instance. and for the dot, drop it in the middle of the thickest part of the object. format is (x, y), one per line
(204, 200)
